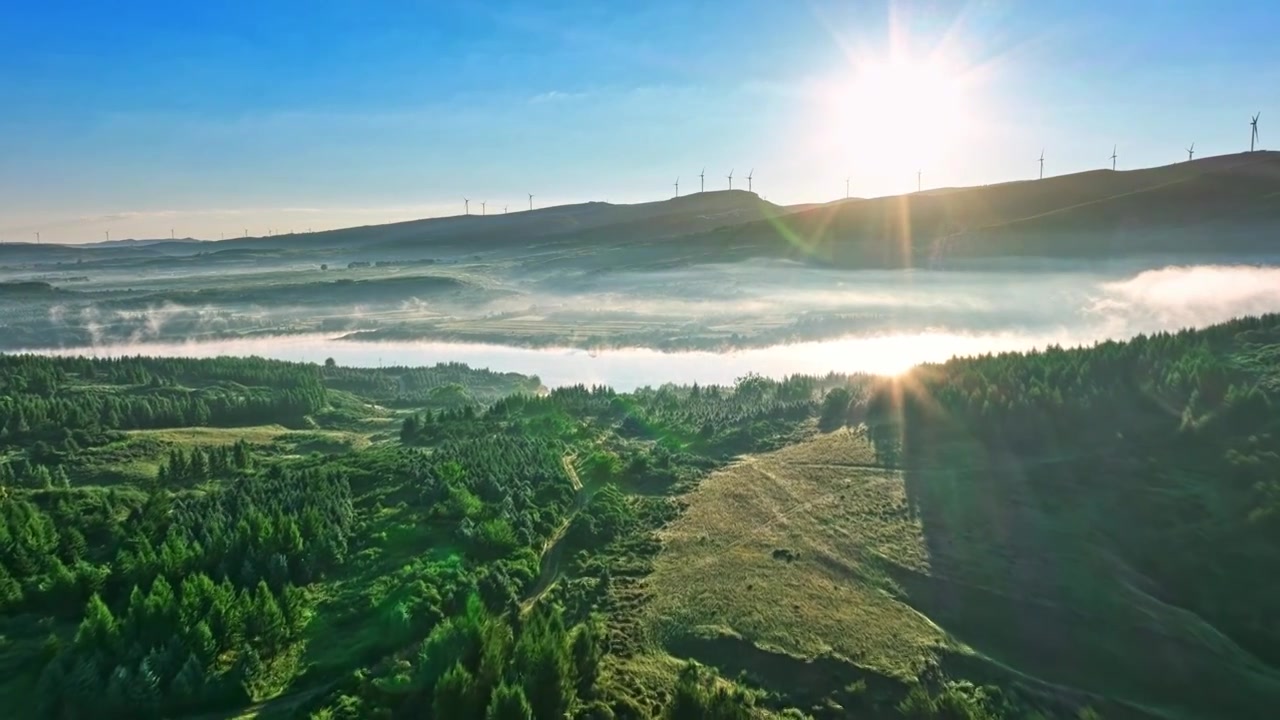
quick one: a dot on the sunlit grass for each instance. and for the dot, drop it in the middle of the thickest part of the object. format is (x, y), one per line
(785, 550)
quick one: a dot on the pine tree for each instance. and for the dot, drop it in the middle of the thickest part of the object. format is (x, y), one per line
(543, 661)
(203, 643)
(117, 697)
(508, 702)
(188, 685)
(587, 650)
(269, 621)
(98, 632)
(409, 429)
(455, 695)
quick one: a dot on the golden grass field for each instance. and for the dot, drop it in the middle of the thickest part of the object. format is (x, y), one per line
(786, 550)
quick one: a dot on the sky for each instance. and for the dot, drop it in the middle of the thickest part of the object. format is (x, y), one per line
(218, 118)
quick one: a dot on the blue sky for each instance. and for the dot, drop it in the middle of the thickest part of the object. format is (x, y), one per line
(219, 117)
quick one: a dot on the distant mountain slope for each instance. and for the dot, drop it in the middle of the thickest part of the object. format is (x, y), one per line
(1225, 203)
(1228, 203)
(585, 221)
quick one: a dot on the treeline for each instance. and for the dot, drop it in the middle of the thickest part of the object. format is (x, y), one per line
(200, 464)
(445, 385)
(70, 402)
(43, 374)
(753, 414)
(1197, 378)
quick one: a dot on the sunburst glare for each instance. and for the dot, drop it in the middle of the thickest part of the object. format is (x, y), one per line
(895, 112)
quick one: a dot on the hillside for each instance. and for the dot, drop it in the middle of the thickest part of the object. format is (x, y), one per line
(1089, 524)
(1228, 203)
(519, 229)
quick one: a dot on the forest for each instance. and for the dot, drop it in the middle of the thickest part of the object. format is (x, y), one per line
(482, 550)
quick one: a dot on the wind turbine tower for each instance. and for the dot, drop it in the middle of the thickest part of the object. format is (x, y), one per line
(753, 172)
(702, 180)
(677, 186)
(531, 201)
(482, 208)
(918, 174)
(730, 179)
(1253, 126)
(846, 188)
(1113, 157)
(1191, 152)
(466, 206)
(1041, 163)
(37, 237)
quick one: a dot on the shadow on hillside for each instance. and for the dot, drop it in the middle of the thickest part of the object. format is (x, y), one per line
(1022, 569)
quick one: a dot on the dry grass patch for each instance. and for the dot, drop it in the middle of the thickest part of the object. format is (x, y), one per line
(213, 436)
(293, 440)
(788, 550)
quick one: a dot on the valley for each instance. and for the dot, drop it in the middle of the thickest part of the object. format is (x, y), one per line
(701, 458)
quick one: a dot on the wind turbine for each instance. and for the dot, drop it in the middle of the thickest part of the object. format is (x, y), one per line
(846, 188)
(702, 180)
(466, 204)
(1191, 152)
(753, 172)
(170, 233)
(37, 237)
(1253, 124)
(731, 179)
(918, 174)
(482, 210)
(504, 209)
(677, 186)
(531, 201)
(1041, 163)
(1113, 157)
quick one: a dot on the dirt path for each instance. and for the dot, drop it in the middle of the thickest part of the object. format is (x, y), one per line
(553, 550)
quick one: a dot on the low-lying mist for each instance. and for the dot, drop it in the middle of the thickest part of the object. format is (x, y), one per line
(629, 329)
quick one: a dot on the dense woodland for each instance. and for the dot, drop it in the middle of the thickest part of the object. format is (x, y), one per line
(1167, 446)
(414, 577)
(452, 385)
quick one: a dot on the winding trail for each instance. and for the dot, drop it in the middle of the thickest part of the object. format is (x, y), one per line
(553, 549)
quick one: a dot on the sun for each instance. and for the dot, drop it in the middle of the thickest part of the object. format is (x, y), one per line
(887, 118)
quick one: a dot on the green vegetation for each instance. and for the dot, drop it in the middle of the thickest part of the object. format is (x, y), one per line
(1067, 534)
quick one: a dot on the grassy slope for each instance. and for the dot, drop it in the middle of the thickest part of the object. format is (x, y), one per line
(872, 586)
(824, 506)
(1090, 214)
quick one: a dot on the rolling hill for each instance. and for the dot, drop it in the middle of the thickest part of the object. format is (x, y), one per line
(1227, 203)
(581, 222)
